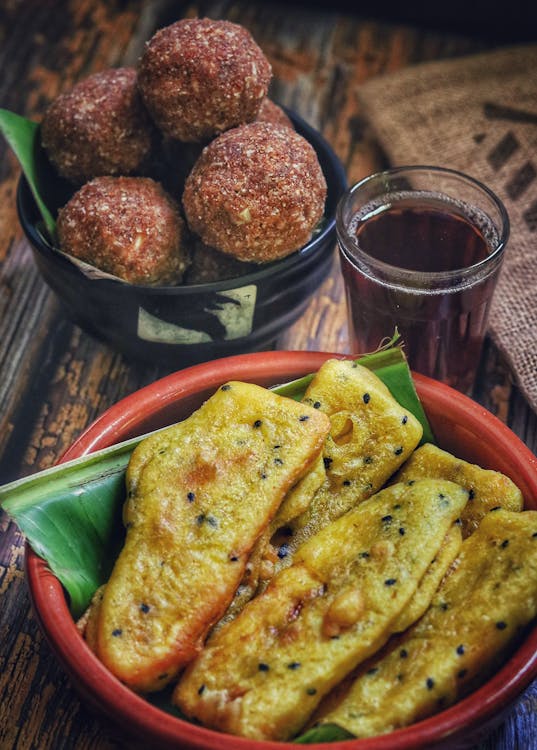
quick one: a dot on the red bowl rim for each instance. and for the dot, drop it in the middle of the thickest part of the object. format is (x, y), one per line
(117, 701)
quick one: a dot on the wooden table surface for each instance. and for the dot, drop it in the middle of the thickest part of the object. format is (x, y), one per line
(55, 379)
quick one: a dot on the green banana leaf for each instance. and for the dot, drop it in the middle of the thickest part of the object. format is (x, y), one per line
(71, 513)
(323, 733)
(23, 137)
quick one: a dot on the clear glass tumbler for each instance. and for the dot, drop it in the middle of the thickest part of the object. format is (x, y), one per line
(421, 250)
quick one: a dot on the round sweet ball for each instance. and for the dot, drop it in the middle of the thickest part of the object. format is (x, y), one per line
(199, 77)
(273, 114)
(257, 192)
(209, 265)
(99, 127)
(125, 226)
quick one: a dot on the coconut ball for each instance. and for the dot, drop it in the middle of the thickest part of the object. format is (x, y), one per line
(200, 77)
(99, 127)
(126, 226)
(257, 192)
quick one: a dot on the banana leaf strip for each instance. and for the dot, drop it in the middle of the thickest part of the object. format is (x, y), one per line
(23, 137)
(71, 512)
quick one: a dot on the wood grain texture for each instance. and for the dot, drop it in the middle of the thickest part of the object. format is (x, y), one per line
(55, 379)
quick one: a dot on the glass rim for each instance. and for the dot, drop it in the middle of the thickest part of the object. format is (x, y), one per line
(344, 238)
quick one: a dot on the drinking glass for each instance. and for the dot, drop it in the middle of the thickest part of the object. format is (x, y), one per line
(421, 248)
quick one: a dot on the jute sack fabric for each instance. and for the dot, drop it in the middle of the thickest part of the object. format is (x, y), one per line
(477, 114)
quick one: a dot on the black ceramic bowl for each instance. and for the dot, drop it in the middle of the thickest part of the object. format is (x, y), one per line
(182, 325)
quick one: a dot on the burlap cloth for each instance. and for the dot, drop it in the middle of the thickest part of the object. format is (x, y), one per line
(477, 114)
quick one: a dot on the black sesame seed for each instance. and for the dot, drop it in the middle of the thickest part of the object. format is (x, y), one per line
(366, 398)
(200, 519)
(212, 521)
(397, 506)
(347, 483)
(162, 451)
(276, 447)
(403, 653)
(327, 462)
(278, 461)
(191, 496)
(460, 650)
(410, 482)
(458, 522)
(293, 665)
(283, 551)
(444, 606)
(400, 677)
(441, 496)
(534, 535)
(311, 691)
(117, 632)
(317, 405)
(462, 673)
(233, 558)
(368, 460)
(504, 544)
(401, 531)
(226, 387)
(398, 451)
(390, 581)
(263, 475)
(471, 494)
(201, 689)
(257, 423)
(144, 608)
(501, 625)
(363, 554)
(263, 667)
(386, 519)
(430, 683)
(404, 419)
(303, 418)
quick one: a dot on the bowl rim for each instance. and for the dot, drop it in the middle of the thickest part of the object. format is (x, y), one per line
(483, 706)
(337, 183)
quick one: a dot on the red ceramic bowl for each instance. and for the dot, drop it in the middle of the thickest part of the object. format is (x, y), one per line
(461, 426)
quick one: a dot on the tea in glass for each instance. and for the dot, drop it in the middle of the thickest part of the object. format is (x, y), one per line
(421, 249)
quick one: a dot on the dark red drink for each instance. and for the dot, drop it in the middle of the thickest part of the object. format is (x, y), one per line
(426, 265)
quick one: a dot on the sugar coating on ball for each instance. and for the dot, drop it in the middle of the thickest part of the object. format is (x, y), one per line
(200, 77)
(257, 192)
(99, 127)
(126, 226)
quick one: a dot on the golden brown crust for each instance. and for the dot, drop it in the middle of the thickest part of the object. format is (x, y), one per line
(125, 226)
(200, 494)
(99, 127)
(263, 674)
(257, 192)
(199, 77)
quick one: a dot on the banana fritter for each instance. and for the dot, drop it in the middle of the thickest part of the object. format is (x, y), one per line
(199, 495)
(476, 615)
(488, 489)
(262, 675)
